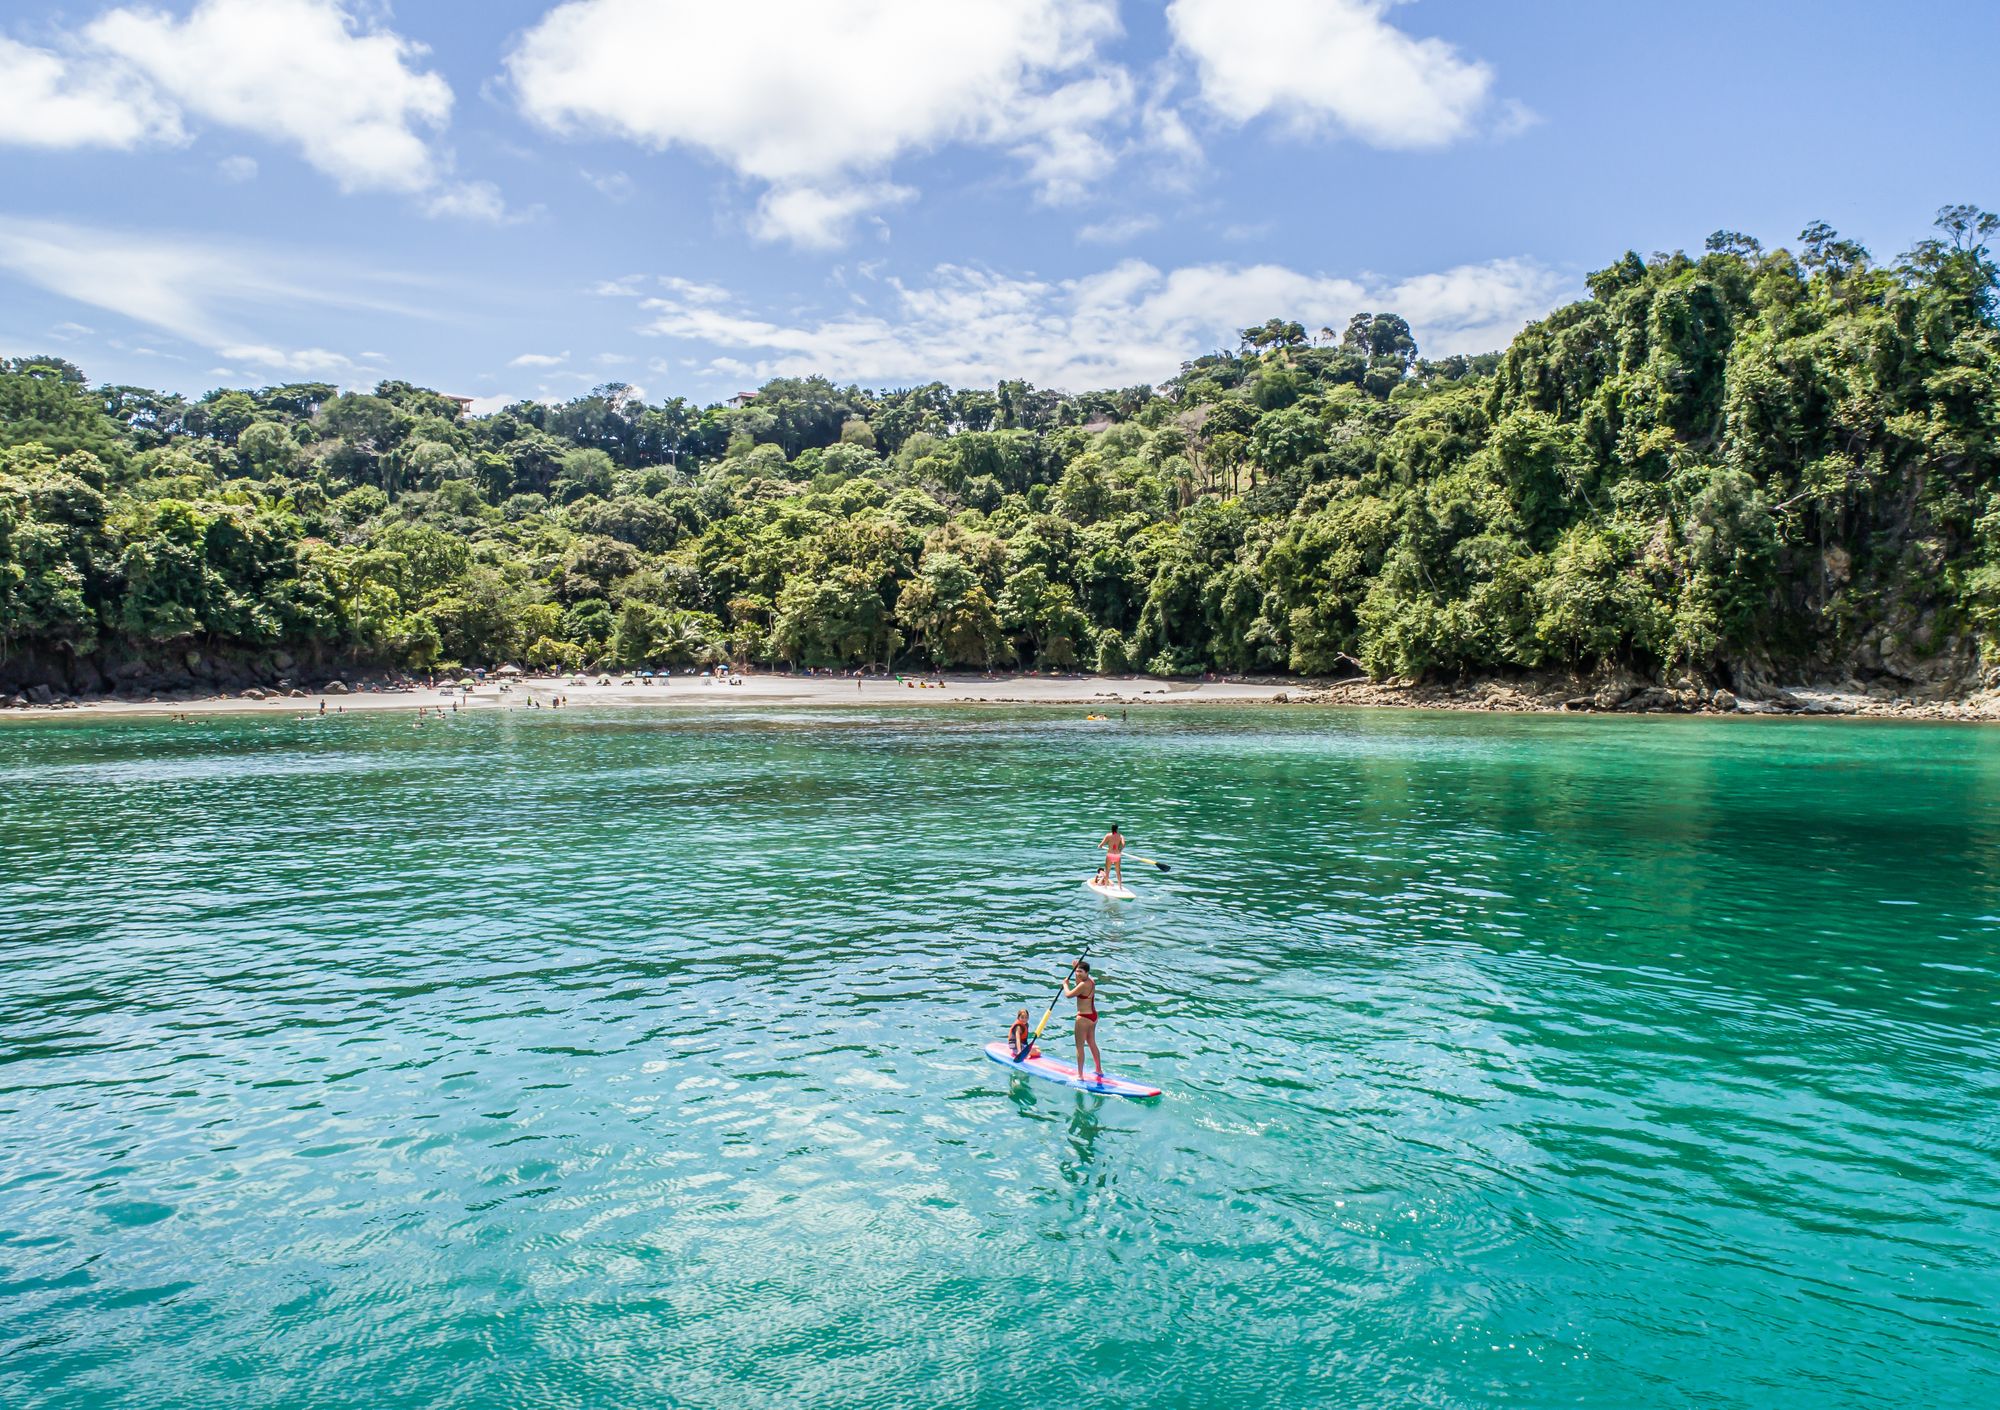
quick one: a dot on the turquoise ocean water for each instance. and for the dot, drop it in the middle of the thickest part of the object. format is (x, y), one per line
(633, 1060)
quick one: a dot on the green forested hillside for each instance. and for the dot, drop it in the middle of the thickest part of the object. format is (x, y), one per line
(1722, 465)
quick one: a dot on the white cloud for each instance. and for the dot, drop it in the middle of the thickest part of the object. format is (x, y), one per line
(486, 406)
(815, 101)
(1056, 134)
(612, 185)
(1476, 307)
(468, 200)
(69, 331)
(351, 96)
(1118, 229)
(63, 101)
(693, 290)
(1163, 129)
(1129, 324)
(351, 99)
(540, 360)
(1331, 63)
(298, 362)
(814, 218)
(206, 292)
(1515, 118)
(634, 286)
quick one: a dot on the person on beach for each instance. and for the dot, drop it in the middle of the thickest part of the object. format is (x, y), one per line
(1019, 1040)
(1114, 854)
(1083, 989)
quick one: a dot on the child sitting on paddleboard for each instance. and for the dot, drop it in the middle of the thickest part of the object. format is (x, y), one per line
(1102, 878)
(1017, 1038)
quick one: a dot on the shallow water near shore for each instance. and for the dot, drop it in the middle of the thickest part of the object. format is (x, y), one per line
(633, 1059)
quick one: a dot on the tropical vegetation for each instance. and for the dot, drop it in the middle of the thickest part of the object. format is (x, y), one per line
(1732, 456)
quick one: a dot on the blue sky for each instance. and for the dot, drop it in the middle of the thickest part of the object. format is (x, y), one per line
(524, 199)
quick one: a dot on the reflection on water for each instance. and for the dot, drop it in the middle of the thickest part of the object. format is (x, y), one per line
(1083, 1132)
(635, 1060)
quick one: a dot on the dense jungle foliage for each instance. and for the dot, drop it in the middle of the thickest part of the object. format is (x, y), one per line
(1746, 454)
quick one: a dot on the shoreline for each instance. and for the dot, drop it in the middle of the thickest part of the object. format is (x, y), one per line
(691, 691)
(1104, 692)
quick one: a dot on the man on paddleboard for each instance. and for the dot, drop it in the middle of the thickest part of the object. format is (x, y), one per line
(1114, 852)
(1083, 989)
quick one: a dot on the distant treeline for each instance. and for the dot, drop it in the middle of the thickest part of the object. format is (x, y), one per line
(1712, 464)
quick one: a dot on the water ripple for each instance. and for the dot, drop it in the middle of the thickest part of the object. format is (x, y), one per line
(631, 1060)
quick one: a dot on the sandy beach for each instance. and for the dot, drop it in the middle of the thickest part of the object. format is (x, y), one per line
(707, 691)
(1084, 692)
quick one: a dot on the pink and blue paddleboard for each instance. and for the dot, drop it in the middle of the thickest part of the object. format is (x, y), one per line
(1050, 1071)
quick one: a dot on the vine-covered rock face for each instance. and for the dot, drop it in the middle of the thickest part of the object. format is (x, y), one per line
(1747, 469)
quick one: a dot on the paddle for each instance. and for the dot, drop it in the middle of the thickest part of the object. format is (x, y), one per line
(1034, 1037)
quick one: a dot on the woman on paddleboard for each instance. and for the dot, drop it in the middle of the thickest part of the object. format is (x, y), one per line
(1083, 989)
(1114, 853)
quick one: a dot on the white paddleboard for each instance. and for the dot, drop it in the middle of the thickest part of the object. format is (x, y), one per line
(1111, 890)
(1052, 1071)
